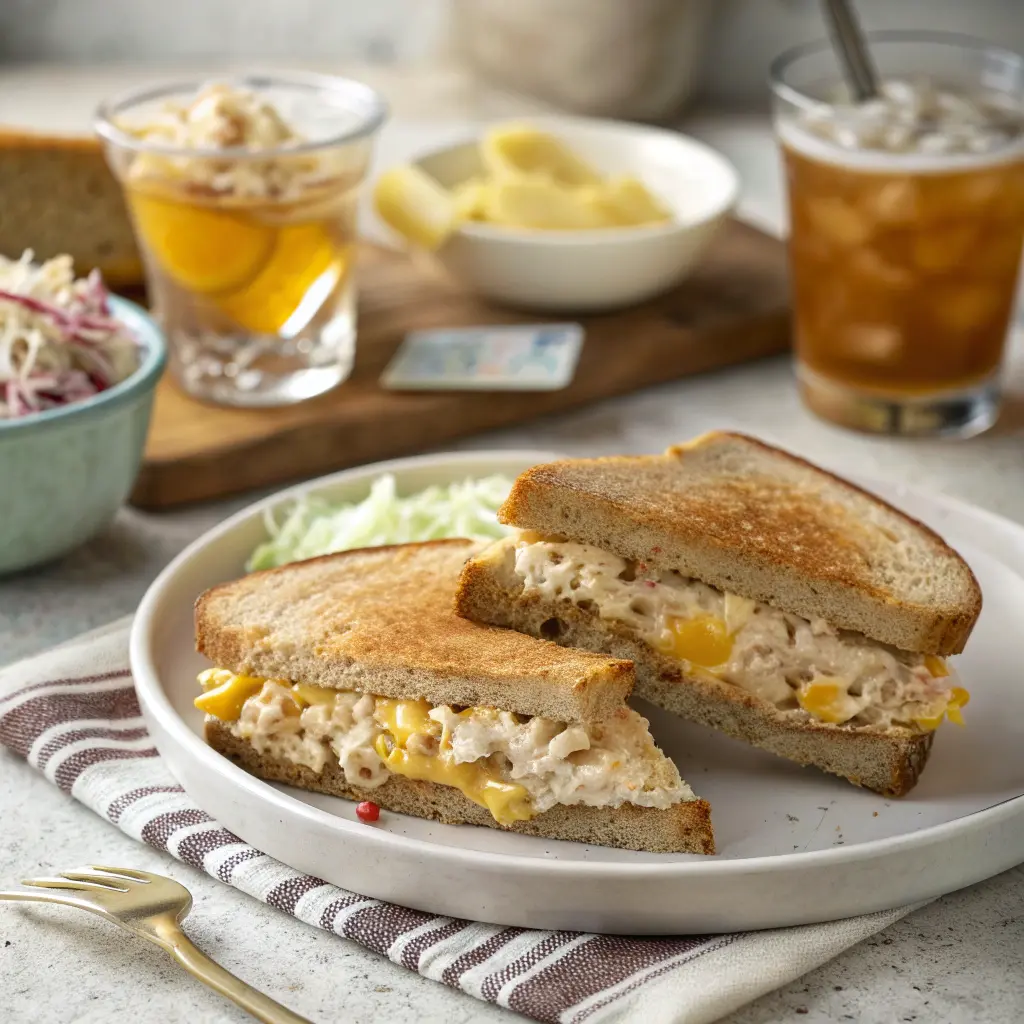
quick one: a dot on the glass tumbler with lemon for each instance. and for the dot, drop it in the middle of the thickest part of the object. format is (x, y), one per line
(244, 198)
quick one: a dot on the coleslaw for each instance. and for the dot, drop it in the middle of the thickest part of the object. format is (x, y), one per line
(59, 342)
(314, 526)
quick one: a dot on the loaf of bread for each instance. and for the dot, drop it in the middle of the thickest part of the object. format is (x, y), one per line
(57, 195)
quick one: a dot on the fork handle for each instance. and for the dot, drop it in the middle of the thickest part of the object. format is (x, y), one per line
(210, 973)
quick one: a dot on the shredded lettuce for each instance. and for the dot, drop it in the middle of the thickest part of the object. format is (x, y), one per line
(313, 526)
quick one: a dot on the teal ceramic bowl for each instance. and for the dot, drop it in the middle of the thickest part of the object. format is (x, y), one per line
(65, 472)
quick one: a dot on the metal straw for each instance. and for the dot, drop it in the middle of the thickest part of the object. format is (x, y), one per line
(848, 42)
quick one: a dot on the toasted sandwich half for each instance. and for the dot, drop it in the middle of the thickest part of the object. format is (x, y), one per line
(755, 593)
(352, 675)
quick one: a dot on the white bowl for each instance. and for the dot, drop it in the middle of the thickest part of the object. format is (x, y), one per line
(587, 271)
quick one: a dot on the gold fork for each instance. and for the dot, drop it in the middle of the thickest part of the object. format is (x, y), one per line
(152, 906)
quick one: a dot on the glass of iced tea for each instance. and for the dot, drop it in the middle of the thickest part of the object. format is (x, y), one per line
(244, 194)
(906, 225)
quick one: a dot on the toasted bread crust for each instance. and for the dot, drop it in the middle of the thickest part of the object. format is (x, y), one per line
(381, 620)
(61, 197)
(683, 828)
(750, 519)
(888, 762)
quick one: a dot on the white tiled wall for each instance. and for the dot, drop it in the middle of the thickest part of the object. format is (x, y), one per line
(744, 37)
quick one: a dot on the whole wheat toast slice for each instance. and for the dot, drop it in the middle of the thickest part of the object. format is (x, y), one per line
(755, 521)
(381, 621)
(888, 761)
(60, 196)
(683, 828)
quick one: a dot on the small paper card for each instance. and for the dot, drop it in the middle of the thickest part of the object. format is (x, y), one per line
(523, 357)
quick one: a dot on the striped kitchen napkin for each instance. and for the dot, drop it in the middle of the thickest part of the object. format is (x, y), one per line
(73, 715)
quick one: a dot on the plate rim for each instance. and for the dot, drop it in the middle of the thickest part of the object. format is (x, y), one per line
(153, 702)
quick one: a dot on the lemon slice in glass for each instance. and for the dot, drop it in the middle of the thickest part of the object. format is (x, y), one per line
(293, 284)
(203, 249)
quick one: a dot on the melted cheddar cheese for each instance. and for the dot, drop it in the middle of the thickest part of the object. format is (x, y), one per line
(404, 720)
(703, 641)
(224, 693)
(312, 695)
(828, 700)
(959, 697)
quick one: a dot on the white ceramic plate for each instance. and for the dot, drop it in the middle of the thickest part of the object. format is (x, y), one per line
(796, 846)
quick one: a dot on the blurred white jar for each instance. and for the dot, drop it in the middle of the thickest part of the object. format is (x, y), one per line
(633, 59)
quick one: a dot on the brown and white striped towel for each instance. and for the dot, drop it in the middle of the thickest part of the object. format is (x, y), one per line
(72, 714)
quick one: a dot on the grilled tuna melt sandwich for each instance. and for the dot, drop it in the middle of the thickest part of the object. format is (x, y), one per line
(352, 675)
(756, 594)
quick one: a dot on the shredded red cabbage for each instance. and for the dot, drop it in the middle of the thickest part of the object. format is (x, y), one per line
(59, 342)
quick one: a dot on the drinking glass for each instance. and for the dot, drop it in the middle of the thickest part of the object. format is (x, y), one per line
(906, 225)
(249, 252)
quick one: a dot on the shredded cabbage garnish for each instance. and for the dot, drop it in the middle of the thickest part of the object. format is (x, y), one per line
(313, 526)
(59, 342)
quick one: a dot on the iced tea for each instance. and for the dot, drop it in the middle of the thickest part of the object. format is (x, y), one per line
(906, 229)
(903, 281)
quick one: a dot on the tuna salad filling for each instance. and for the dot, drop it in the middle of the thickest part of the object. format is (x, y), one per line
(803, 667)
(538, 761)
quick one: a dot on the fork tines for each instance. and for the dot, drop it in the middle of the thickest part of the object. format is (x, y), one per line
(98, 876)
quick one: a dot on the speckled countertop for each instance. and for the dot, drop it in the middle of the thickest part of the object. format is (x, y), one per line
(961, 959)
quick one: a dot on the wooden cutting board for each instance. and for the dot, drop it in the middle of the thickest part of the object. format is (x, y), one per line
(733, 309)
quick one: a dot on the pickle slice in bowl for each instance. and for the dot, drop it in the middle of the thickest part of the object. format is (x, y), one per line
(517, 150)
(416, 206)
